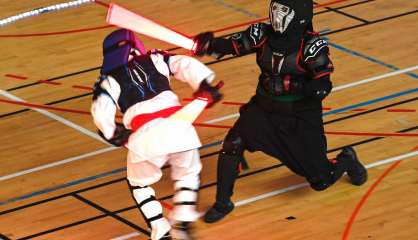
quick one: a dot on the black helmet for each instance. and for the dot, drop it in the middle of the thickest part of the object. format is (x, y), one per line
(289, 20)
(116, 48)
(290, 15)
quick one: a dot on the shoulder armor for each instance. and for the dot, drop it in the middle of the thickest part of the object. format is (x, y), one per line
(313, 46)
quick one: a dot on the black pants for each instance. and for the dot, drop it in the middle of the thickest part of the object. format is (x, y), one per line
(290, 132)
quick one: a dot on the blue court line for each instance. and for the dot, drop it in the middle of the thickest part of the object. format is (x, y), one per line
(91, 178)
(83, 180)
(69, 184)
(373, 60)
(339, 110)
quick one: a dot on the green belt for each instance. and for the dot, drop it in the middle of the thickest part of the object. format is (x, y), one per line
(282, 98)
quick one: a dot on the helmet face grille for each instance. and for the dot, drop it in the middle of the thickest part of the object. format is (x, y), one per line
(280, 16)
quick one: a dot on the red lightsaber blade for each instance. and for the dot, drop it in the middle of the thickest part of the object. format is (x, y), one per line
(124, 18)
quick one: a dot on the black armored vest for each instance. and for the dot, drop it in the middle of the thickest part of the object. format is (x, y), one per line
(139, 81)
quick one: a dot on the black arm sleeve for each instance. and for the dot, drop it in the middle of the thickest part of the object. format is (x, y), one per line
(221, 46)
(241, 43)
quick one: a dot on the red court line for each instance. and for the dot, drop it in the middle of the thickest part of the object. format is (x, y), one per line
(373, 134)
(401, 110)
(56, 33)
(233, 103)
(101, 3)
(82, 87)
(330, 132)
(40, 106)
(44, 107)
(324, 108)
(49, 82)
(363, 200)
(109, 26)
(266, 18)
(15, 76)
(210, 125)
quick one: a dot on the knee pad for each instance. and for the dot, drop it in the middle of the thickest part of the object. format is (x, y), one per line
(185, 205)
(233, 144)
(147, 204)
(321, 186)
(185, 196)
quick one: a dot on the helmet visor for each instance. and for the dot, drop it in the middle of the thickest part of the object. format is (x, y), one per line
(280, 16)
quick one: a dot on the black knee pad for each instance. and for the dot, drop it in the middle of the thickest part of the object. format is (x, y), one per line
(233, 144)
(321, 186)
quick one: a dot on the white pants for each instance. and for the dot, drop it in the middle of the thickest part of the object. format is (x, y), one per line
(185, 170)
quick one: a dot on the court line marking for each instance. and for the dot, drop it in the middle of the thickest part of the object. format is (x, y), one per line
(17, 174)
(54, 164)
(364, 198)
(338, 88)
(236, 9)
(371, 79)
(57, 118)
(368, 58)
(127, 236)
(302, 185)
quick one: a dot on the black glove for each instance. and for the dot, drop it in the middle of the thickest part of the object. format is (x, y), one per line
(120, 136)
(203, 42)
(209, 93)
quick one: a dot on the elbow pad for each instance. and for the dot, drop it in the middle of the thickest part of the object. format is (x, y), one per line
(247, 41)
(316, 58)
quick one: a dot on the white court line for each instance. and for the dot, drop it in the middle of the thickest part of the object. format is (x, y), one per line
(207, 122)
(390, 74)
(42, 167)
(301, 185)
(56, 117)
(127, 236)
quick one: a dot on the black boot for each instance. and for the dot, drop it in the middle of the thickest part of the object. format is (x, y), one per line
(355, 170)
(218, 211)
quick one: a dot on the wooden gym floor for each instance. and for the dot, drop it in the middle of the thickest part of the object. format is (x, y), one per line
(59, 181)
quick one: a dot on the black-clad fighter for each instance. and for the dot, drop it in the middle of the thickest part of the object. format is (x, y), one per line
(284, 117)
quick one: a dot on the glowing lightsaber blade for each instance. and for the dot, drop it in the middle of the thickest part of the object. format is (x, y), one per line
(116, 15)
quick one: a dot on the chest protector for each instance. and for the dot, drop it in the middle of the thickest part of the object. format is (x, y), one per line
(301, 64)
(139, 81)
